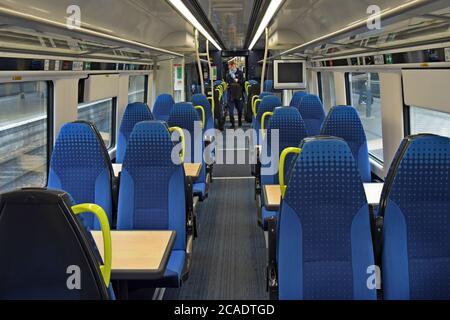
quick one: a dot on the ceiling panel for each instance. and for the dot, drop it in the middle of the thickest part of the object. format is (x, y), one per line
(311, 19)
(230, 19)
(146, 21)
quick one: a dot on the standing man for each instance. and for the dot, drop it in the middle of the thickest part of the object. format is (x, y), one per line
(235, 80)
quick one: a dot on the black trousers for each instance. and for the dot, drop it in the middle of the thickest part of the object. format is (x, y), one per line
(232, 104)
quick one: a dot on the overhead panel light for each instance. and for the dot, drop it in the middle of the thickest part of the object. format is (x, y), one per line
(271, 10)
(179, 5)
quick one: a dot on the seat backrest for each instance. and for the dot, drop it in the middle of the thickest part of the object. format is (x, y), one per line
(265, 94)
(134, 113)
(152, 186)
(297, 98)
(268, 85)
(80, 165)
(201, 100)
(291, 132)
(416, 209)
(268, 104)
(324, 239)
(43, 246)
(313, 113)
(163, 107)
(186, 117)
(344, 122)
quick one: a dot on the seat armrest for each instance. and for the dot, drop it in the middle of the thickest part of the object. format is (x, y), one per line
(272, 269)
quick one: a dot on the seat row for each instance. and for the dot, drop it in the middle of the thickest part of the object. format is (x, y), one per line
(152, 192)
(322, 245)
(291, 128)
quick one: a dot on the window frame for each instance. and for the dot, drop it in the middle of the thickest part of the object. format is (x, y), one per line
(407, 118)
(113, 140)
(348, 93)
(146, 83)
(50, 122)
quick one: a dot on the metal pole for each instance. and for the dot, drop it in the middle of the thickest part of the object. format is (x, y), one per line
(266, 52)
(210, 76)
(199, 63)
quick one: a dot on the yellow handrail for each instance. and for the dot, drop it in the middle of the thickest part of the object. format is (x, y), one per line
(283, 156)
(183, 141)
(203, 115)
(265, 115)
(247, 85)
(254, 103)
(106, 233)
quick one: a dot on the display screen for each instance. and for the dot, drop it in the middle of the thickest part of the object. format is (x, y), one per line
(290, 72)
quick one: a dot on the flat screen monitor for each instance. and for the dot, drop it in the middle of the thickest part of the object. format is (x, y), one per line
(289, 74)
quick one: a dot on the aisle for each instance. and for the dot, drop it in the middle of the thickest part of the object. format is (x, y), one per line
(229, 256)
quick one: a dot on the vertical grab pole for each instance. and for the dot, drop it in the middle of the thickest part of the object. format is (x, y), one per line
(199, 63)
(266, 53)
(211, 78)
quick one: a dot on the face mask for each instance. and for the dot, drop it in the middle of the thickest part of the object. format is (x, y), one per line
(233, 70)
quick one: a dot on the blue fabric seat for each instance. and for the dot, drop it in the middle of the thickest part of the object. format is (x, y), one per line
(344, 122)
(186, 117)
(201, 100)
(324, 237)
(416, 209)
(80, 165)
(291, 132)
(134, 113)
(297, 98)
(163, 107)
(268, 104)
(313, 113)
(152, 192)
(268, 85)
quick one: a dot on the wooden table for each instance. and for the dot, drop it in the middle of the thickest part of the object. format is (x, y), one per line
(192, 170)
(138, 255)
(272, 195)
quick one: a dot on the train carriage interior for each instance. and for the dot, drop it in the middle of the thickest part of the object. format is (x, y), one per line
(225, 150)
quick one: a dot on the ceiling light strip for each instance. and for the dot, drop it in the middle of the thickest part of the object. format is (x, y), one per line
(187, 14)
(271, 10)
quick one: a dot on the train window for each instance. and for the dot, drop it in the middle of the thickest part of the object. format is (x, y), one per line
(24, 134)
(137, 89)
(429, 121)
(102, 114)
(328, 90)
(364, 95)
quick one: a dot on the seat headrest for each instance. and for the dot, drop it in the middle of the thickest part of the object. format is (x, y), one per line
(344, 122)
(150, 144)
(424, 158)
(39, 229)
(200, 100)
(297, 98)
(311, 107)
(324, 169)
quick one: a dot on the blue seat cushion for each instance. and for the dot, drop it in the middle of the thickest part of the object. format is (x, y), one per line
(200, 189)
(266, 215)
(175, 267)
